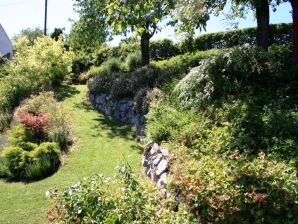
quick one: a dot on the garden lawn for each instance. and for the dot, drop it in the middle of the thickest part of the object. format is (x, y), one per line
(100, 145)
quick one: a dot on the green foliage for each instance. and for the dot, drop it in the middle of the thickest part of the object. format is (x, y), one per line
(40, 162)
(43, 64)
(57, 33)
(30, 34)
(235, 190)
(91, 200)
(242, 70)
(145, 97)
(134, 61)
(5, 119)
(87, 34)
(279, 34)
(58, 122)
(127, 84)
(121, 85)
(166, 123)
(14, 161)
(113, 65)
(44, 160)
(163, 49)
(80, 64)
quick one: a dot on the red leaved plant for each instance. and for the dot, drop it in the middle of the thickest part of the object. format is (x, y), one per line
(37, 123)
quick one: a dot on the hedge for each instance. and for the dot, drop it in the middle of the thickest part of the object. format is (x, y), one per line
(279, 34)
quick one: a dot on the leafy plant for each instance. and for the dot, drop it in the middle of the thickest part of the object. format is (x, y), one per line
(91, 200)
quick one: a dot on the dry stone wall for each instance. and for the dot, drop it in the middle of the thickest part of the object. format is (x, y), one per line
(121, 110)
(156, 163)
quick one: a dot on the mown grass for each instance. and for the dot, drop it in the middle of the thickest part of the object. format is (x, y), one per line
(101, 144)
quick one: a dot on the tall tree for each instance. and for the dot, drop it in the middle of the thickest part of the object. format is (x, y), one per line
(294, 4)
(126, 16)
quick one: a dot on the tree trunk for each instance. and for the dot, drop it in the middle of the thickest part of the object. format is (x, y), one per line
(295, 28)
(263, 16)
(145, 49)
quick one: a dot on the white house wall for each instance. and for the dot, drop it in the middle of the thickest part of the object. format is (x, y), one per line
(5, 43)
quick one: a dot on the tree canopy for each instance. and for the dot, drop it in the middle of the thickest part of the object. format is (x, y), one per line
(122, 17)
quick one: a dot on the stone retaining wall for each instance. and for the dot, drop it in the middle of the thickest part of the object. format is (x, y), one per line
(122, 110)
(156, 163)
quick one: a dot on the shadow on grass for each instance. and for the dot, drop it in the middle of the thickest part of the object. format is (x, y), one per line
(84, 105)
(65, 91)
(114, 128)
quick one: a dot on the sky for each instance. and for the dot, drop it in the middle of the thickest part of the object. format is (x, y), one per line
(16, 15)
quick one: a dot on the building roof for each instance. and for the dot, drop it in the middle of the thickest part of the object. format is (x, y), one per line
(5, 43)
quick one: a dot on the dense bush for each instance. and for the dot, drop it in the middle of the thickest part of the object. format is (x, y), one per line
(223, 118)
(134, 61)
(242, 70)
(163, 49)
(127, 84)
(165, 123)
(41, 129)
(80, 64)
(30, 165)
(44, 160)
(145, 97)
(92, 201)
(232, 189)
(46, 63)
(56, 127)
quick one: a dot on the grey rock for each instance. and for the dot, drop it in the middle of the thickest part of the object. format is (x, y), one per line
(144, 161)
(164, 151)
(157, 159)
(162, 167)
(149, 172)
(162, 181)
(154, 149)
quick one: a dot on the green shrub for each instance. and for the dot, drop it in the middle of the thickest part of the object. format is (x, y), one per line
(19, 136)
(235, 190)
(145, 97)
(127, 84)
(58, 126)
(165, 123)
(5, 119)
(92, 201)
(279, 34)
(46, 63)
(80, 64)
(113, 65)
(94, 71)
(244, 70)
(44, 161)
(15, 163)
(18, 163)
(163, 49)
(134, 61)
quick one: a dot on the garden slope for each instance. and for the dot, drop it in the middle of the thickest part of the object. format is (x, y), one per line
(101, 144)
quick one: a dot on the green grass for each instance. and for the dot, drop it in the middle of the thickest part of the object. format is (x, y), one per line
(101, 144)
